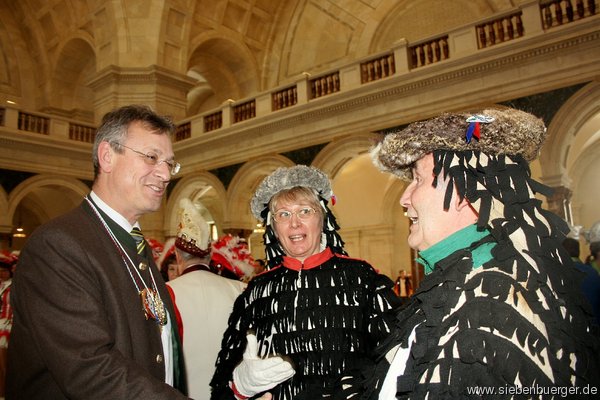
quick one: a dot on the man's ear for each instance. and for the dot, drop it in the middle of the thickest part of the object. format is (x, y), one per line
(105, 156)
(464, 206)
(460, 204)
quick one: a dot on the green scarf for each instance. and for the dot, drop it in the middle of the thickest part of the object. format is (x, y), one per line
(457, 241)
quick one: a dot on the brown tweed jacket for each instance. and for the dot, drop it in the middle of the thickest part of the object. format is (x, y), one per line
(79, 330)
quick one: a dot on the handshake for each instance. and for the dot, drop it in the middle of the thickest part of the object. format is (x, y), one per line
(254, 374)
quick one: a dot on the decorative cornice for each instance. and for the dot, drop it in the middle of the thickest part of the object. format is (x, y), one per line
(154, 74)
(64, 157)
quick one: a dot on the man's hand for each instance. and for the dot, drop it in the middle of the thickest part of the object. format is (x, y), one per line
(254, 374)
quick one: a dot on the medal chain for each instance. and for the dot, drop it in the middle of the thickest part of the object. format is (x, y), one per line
(152, 303)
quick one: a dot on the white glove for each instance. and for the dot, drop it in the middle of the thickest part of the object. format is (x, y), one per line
(254, 375)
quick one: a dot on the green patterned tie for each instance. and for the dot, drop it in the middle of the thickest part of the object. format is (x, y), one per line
(140, 243)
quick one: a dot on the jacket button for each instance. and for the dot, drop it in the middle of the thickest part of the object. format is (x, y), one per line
(159, 359)
(143, 266)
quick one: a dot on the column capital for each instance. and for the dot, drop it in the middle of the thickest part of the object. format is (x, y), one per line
(163, 89)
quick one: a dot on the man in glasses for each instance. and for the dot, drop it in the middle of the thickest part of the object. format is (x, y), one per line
(92, 316)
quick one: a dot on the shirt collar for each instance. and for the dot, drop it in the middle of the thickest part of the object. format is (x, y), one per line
(114, 215)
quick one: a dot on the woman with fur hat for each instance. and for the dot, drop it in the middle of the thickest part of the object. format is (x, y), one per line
(314, 312)
(499, 308)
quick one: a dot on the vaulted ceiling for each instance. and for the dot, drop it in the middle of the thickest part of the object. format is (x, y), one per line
(230, 48)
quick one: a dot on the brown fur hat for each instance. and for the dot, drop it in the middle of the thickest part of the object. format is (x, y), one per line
(507, 131)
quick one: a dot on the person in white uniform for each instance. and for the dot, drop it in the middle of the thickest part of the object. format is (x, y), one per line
(203, 299)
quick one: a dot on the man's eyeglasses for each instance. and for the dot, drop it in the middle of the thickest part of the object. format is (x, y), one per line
(152, 159)
(285, 215)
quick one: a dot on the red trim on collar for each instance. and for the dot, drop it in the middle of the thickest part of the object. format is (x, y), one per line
(196, 267)
(310, 262)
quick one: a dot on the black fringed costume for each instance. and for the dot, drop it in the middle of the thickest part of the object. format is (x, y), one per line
(517, 321)
(325, 316)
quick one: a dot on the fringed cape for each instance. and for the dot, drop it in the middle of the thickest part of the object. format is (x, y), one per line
(324, 316)
(504, 325)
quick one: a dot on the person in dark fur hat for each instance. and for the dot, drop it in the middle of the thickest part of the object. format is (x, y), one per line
(497, 309)
(314, 312)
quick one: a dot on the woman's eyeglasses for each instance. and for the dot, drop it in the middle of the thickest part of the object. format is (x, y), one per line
(285, 216)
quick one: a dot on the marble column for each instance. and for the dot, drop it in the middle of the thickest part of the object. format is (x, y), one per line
(560, 203)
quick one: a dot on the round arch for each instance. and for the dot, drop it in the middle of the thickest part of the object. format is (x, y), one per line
(241, 189)
(332, 157)
(76, 190)
(563, 144)
(244, 184)
(203, 187)
(5, 218)
(74, 67)
(586, 175)
(41, 198)
(224, 68)
(402, 19)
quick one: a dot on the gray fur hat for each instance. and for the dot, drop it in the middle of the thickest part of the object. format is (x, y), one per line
(287, 178)
(492, 131)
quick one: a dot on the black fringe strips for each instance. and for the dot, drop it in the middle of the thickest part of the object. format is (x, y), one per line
(324, 320)
(519, 320)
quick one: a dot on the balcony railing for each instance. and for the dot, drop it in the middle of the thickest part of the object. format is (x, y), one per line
(213, 121)
(82, 133)
(34, 123)
(377, 68)
(429, 52)
(183, 131)
(500, 30)
(244, 111)
(561, 12)
(325, 85)
(284, 98)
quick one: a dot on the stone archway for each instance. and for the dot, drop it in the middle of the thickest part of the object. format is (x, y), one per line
(240, 192)
(223, 69)
(573, 135)
(244, 184)
(204, 188)
(41, 198)
(75, 66)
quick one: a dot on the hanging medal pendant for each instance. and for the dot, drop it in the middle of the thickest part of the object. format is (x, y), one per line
(153, 306)
(159, 306)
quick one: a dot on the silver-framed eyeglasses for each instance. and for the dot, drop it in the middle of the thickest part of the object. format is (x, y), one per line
(303, 214)
(151, 158)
